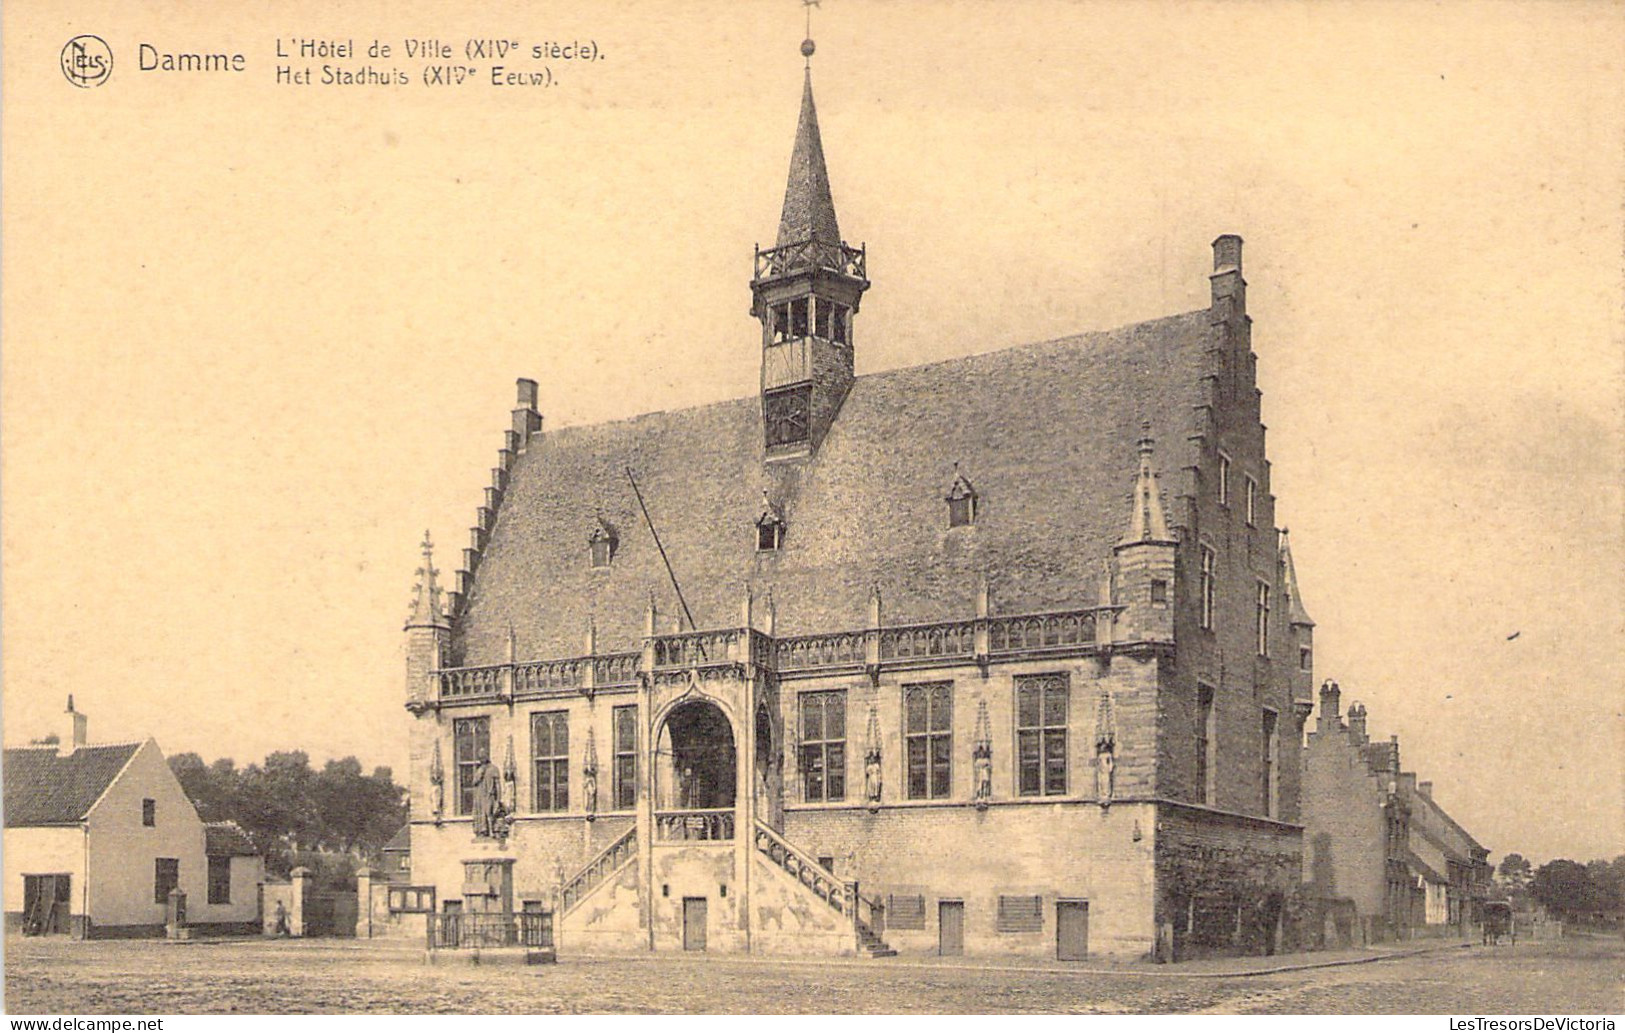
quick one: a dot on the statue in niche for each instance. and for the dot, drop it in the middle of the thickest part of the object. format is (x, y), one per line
(982, 757)
(589, 777)
(488, 808)
(982, 765)
(872, 779)
(437, 784)
(1105, 767)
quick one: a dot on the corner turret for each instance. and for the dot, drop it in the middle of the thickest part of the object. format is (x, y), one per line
(1145, 555)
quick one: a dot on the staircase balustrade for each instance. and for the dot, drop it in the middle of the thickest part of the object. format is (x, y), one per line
(608, 861)
(867, 917)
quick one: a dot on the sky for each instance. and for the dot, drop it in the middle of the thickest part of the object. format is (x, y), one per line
(257, 338)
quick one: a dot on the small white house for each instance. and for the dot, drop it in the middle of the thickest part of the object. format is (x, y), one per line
(97, 835)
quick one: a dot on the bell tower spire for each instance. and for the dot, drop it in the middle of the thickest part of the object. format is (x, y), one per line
(806, 291)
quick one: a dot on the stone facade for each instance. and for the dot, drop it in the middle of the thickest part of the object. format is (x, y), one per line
(1059, 719)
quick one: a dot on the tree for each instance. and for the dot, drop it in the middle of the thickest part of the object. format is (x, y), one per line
(1515, 871)
(295, 813)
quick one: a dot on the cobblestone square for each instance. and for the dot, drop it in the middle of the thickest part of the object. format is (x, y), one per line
(144, 977)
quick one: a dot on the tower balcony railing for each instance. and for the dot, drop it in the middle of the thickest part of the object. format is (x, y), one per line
(806, 256)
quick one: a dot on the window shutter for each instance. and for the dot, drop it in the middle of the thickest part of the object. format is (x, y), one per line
(905, 912)
(1020, 914)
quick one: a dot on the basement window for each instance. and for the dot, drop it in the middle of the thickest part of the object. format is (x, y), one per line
(1020, 914)
(905, 911)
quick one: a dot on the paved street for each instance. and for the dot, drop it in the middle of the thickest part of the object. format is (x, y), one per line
(1572, 976)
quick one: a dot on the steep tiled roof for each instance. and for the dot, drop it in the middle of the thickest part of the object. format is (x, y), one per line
(43, 788)
(226, 839)
(1047, 433)
(1422, 868)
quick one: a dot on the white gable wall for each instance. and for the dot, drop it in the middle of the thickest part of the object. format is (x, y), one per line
(123, 851)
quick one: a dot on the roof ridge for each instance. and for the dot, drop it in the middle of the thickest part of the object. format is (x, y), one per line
(891, 371)
(86, 746)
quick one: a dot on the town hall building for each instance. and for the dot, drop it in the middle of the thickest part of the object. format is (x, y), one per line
(995, 655)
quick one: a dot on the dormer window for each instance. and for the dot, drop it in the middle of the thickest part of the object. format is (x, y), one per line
(601, 544)
(769, 527)
(961, 501)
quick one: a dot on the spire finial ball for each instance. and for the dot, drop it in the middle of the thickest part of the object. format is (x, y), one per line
(807, 48)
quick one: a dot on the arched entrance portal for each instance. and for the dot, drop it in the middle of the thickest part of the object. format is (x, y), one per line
(696, 768)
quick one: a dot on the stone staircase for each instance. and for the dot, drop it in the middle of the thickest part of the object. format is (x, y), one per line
(866, 916)
(610, 860)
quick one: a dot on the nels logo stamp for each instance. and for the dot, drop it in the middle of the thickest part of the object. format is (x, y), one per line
(87, 61)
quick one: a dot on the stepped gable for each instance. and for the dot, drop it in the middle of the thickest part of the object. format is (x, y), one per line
(44, 787)
(1047, 432)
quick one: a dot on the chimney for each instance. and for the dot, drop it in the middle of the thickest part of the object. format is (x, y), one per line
(1425, 788)
(72, 735)
(526, 420)
(1357, 724)
(1229, 289)
(1330, 700)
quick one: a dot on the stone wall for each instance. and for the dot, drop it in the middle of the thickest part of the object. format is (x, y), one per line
(1055, 851)
(1227, 883)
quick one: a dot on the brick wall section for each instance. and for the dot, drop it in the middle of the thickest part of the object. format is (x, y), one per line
(1345, 827)
(1054, 851)
(1132, 683)
(1226, 657)
(1235, 860)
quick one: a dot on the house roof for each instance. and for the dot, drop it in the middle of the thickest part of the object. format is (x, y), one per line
(1421, 799)
(43, 787)
(401, 841)
(1047, 432)
(226, 839)
(1422, 868)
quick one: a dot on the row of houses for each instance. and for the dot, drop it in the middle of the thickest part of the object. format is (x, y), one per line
(1382, 857)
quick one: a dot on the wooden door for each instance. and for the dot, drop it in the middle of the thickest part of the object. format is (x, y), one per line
(1071, 930)
(46, 900)
(951, 927)
(694, 923)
